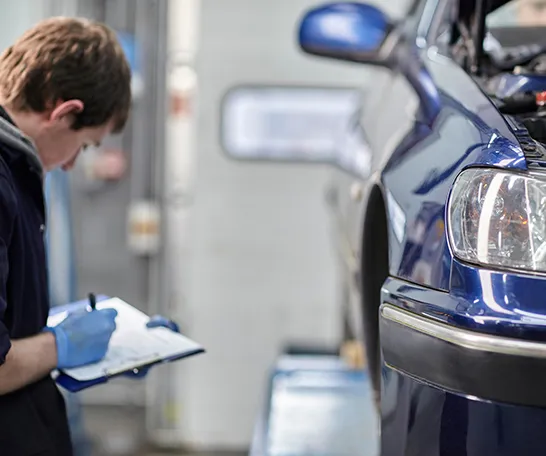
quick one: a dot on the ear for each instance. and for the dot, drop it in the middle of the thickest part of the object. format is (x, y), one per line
(66, 110)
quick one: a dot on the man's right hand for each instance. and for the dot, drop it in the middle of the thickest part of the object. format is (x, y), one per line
(83, 337)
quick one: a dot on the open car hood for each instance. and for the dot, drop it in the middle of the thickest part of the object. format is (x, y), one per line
(467, 7)
(494, 4)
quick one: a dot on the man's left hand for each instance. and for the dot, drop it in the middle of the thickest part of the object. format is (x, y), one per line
(157, 321)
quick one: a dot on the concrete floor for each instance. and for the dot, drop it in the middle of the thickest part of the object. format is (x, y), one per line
(155, 453)
(190, 454)
(116, 431)
(194, 454)
(341, 421)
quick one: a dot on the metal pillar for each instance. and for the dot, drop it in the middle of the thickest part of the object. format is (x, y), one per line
(131, 275)
(160, 143)
(174, 178)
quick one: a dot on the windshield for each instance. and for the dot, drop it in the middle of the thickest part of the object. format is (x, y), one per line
(519, 13)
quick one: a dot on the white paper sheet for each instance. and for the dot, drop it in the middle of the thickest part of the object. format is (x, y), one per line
(132, 344)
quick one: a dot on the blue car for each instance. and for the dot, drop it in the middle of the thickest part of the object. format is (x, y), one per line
(445, 221)
(452, 247)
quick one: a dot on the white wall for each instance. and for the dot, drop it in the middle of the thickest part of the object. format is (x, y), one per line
(16, 17)
(262, 264)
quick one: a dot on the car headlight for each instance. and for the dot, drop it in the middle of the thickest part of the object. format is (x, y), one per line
(498, 218)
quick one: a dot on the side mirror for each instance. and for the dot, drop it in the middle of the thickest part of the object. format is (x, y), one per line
(361, 33)
(346, 31)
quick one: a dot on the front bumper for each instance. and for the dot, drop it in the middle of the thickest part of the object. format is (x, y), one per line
(463, 341)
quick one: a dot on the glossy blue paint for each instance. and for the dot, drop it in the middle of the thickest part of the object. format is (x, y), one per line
(507, 84)
(500, 302)
(420, 420)
(419, 176)
(426, 279)
(422, 191)
(494, 302)
(343, 27)
(408, 62)
(437, 304)
(421, 168)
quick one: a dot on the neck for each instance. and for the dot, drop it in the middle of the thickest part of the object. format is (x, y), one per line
(28, 123)
(25, 121)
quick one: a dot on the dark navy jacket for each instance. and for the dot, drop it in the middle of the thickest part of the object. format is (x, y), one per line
(32, 420)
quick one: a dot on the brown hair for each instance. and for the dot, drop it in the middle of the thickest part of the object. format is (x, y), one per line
(61, 59)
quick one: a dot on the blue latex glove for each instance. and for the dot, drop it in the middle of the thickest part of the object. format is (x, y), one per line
(83, 337)
(158, 321)
(155, 322)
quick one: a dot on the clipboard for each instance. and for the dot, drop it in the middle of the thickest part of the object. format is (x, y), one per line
(157, 345)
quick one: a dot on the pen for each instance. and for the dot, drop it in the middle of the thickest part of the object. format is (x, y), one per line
(92, 301)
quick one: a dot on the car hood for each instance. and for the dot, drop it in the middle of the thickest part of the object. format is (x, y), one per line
(467, 7)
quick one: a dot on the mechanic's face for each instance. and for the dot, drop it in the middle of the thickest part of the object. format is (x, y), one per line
(58, 144)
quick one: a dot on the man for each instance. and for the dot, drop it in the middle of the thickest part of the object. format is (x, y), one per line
(64, 85)
(61, 265)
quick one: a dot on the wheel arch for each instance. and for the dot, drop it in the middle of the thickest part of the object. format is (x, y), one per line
(374, 271)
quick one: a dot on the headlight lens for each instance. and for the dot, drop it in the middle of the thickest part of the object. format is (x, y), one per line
(498, 218)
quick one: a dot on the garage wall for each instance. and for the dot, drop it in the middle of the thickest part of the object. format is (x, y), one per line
(262, 264)
(17, 16)
(262, 270)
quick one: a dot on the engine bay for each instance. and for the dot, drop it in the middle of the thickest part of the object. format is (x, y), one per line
(509, 63)
(519, 90)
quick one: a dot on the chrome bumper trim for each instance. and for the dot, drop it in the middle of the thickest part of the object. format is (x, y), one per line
(464, 338)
